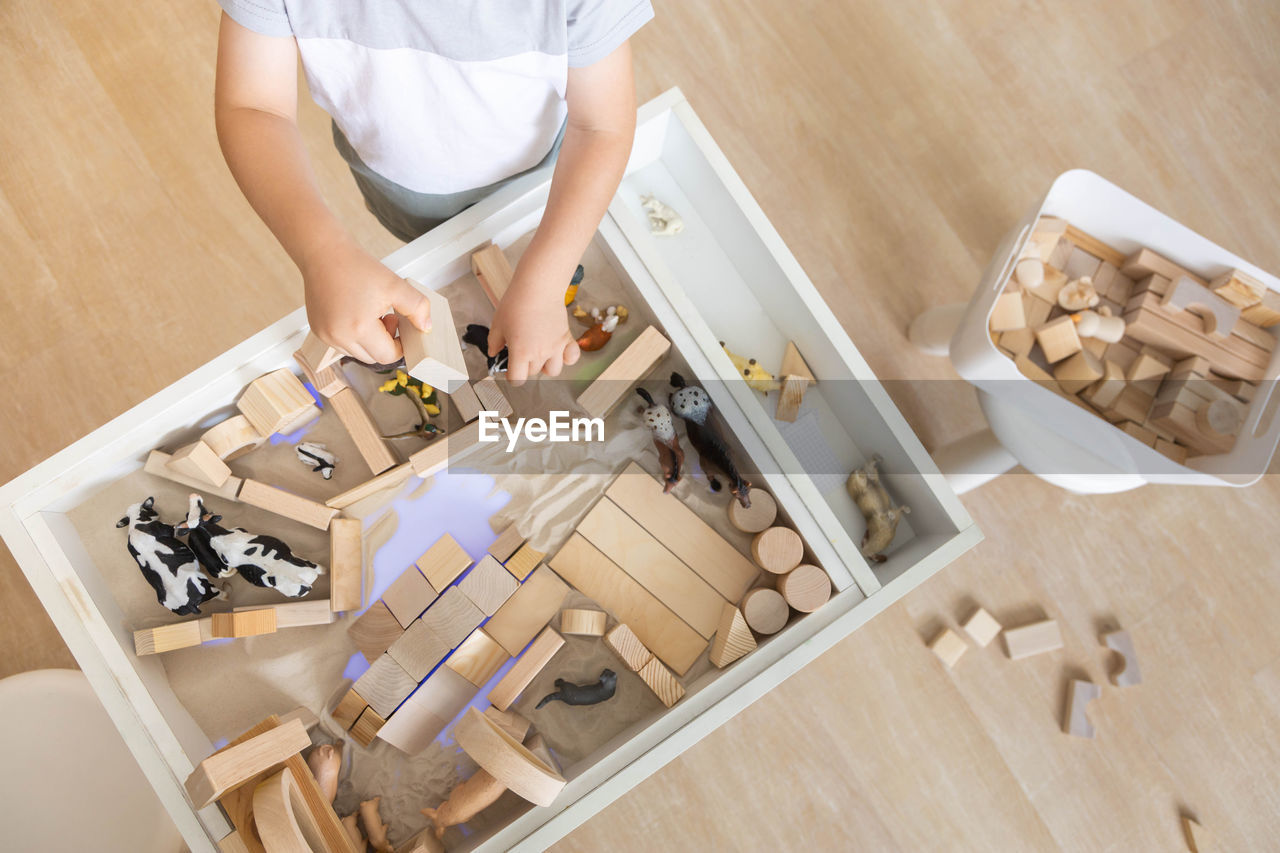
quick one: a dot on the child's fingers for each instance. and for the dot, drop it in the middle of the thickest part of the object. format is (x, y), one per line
(572, 352)
(497, 341)
(554, 365)
(412, 305)
(517, 370)
(378, 343)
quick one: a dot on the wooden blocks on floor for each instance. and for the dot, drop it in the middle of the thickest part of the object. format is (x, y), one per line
(199, 462)
(418, 650)
(765, 610)
(493, 271)
(777, 550)
(628, 368)
(488, 585)
(733, 637)
(796, 378)
(452, 617)
(491, 397)
(364, 433)
(539, 653)
(375, 631)
(523, 561)
(1033, 639)
(385, 685)
(166, 638)
(443, 562)
(157, 465)
(232, 437)
(624, 643)
(237, 764)
(805, 588)
(348, 709)
(1128, 674)
(528, 609)
(662, 682)
(346, 564)
(948, 646)
(244, 623)
(408, 596)
(366, 727)
(1079, 694)
(982, 627)
(277, 402)
(478, 658)
(434, 356)
(583, 623)
(287, 504)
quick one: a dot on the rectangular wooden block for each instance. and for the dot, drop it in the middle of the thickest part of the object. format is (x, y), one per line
(488, 585)
(375, 631)
(1094, 246)
(157, 465)
(1266, 313)
(508, 541)
(388, 479)
(733, 637)
(478, 658)
(275, 401)
(408, 596)
(364, 433)
(1180, 421)
(431, 459)
(452, 617)
(199, 462)
(491, 397)
(1033, 639)
(683, 532)
(418, 650)
(1160, 329)
(1172, 449)
(317, 353)
(346, 564)
(166, 638)
(523, 561)
(493, 271)
(435, 356)
(287, 504)
(539, 653)
(645, 559)
(245, 623)
(583, 623)
(624, 643)
(443, 562)
(1145, 262)
(348, 709)
(231, 767)
(466, 402)
(1240, 289)
(595, 575)
(527, 611)
(1007, 313)
(628, 368)
(385, 685)
(301, 614)
(366, 727)
(662, 682)
(982, 627)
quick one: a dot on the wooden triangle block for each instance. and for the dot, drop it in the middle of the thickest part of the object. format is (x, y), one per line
(796, 378)
(435, 356)
(733, 638)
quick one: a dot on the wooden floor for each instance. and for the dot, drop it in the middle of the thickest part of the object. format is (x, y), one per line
(892, 144)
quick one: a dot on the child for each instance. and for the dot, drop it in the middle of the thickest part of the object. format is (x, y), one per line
(435, 105)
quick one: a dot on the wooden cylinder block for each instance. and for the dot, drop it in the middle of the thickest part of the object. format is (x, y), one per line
(762, 513)
(805, 588)
(284, 822)
(777, 550)
(587, 623)
(765, 610)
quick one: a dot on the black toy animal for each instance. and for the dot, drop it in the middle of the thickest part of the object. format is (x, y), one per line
(693, 405)
(583, 694)
(478, 336)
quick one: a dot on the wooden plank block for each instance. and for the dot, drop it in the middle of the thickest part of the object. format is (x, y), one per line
(1033, 639)
(982, 627)
(491, 267)
(1094, 246)
(644, 558)
(595, 575)
(948, 646)
(478, 658)
(488, 585)
(508, 541)
(317, 353)
(539, 653)
(275, 401)
(346, 564)
(375, 631)
(408, 596)
(245, 623)
(452, 617)
(166, 638)
(364, 433)
(466, 402)
(526, 612)
(385, 685)
(1161, 330)
(287, 504)
(583, 623)
(1266, 313)
(491, 397)
(157, 465)
(1145, 262)
(1079, 694)
(443, 562)
(662, 682)
(683, 532)
(236, 765)
(524, 561)
(434, 356)
(418, 650)
(348, 709)
(232, 437)
(733, 638)
(510, 722)
(628, 368)
(199, 462)
(432, 458)
(388, 479)
(366, 727)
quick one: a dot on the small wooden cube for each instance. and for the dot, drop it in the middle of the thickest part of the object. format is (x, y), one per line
(488, 585)
(275, 401)
(982, 627)
(1018, 342)
(1007, 313)
(1058, 339)
(662, 682)
(1149, 364)
(349, 709)
(245, 623)
(1035, 310)
(1104, 393)
(408, 596)
(1078, 372)
(443, 562)
(478, 658)
(948, 646)
(200, 462)
(366, 727)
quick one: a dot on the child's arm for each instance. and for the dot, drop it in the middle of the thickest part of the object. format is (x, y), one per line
(531, 321)
(256, 109)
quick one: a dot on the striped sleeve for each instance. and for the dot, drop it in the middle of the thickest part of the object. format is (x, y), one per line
(598, 27)
(266, 17)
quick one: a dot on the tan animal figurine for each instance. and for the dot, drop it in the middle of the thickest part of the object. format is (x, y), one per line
(374, 827)
(325, 762)
(877, 509)
(466, 801)
(353, 831)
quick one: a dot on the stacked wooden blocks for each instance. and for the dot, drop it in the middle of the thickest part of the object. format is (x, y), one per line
(245, 622)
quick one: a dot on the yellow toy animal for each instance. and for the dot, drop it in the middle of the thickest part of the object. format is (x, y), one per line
(877, 509)
(755, 375)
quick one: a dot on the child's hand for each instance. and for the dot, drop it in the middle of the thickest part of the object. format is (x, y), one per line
(532, 323)
(350, 300)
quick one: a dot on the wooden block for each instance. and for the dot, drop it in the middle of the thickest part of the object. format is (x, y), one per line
(1133, 404)
(1217, 314)
(478, 658)
(245, 623)
(1123, 353)
(276, 400)
(364, 433)
(507, 761)
(166, 638)
(1033, 639)
(236, 765)
(1058, 339)
(596, 576)
(765, 610)
(443, 562)
(759, 516)
(805, 588)
(1079, 694)
(366, 727)
(435, 356)
(199, 462)
(348, 709)
(488, 585)
(1173, 450)
(1127, 674)
(232, 438)
(286, 504)
(1018, 342)
(733, 638)
(624, 643)
(1103, 276)
(1007, 313)
(1232, 357)
(1197, 837)
(628, 368)
(491, 397)
(1061, 252)
(385, 685)
(1104, 393)
(1139, 432)
(418, 650)
(1048, 231)
(524, 561)
(428, 711)
(1119, 291)
(1078, 372)
(346, 564)
(1035, 372)
(796, 378)
(948, 646)
(1240, 289)
(644, 558)
(683, 532)
(375, 631)
(327, 382)
(777, 550)
(1081, 264)
(157, 465)
(508, 541)
(1157, 284)
(1096, 347)
(432, 458)
(409, 596)
(982, 627)
(1145, 262)
(493, 270)
(1194, 366)
(526, 612)
(1266, 313)
(583, 623)
(388, 479)
(1180, 421)
(510, 722)
(466, 402)
(1094, 246)
(1220, 418)
(452, 617)
(538, 655)
(662, 682)
(1036, 310)
(317, 354)
(233, 843)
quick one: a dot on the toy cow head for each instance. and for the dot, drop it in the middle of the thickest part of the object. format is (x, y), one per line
(166, 562)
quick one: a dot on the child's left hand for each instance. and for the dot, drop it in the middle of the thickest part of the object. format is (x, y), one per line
(531, 322)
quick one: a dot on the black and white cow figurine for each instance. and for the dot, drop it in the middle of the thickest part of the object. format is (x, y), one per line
(166, 561)
(261, 560)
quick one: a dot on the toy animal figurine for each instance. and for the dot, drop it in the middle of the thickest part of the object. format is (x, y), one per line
(167, 563)
(374, 827)
(1078, 295)
(325, 762)
(572, 292)
(598, 335)
(260, 559)
(353, 831)
(315, 455)
(478, 337)
(693, 405)
(662, 219)
(755, 375)
(583, 694)
(877, 509)
(657, 418)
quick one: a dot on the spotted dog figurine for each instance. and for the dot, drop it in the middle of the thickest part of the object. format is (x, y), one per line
(693, 405)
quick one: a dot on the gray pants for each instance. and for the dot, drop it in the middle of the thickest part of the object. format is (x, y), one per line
(408, 214)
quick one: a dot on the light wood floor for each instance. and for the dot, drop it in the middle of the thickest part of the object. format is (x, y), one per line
(891, 144)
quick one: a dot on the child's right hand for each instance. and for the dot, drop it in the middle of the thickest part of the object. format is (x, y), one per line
(352, 301)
